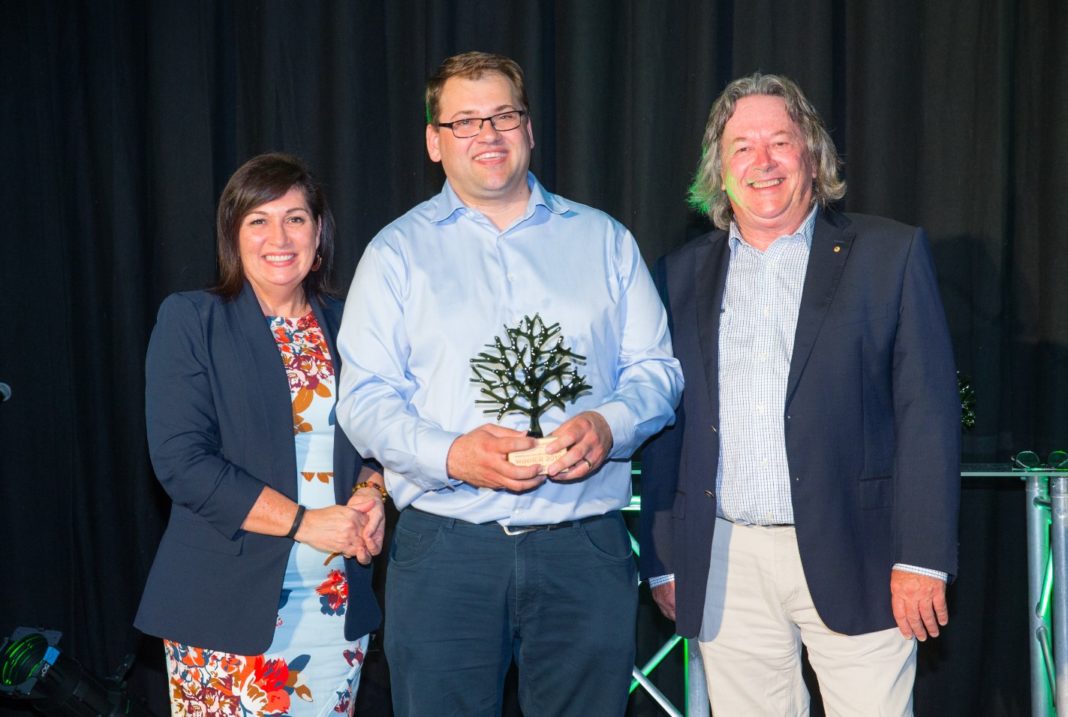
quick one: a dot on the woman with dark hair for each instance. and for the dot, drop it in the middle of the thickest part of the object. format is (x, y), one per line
(258, 614)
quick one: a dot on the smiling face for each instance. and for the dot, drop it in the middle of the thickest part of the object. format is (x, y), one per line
(277, 241)
(491, 167)
(767, 173)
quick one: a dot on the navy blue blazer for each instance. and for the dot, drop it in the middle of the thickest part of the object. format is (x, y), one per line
(220, 428)
(872, 421)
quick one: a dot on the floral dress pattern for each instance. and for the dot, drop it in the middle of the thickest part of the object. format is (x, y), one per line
(309, 669)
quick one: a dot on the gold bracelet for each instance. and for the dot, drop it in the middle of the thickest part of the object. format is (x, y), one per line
(371, 484)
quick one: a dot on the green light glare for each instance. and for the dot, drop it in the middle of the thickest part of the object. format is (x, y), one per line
(1047, 589)
(656, 660)
(15, 658)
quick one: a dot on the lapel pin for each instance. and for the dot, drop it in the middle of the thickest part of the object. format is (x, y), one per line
(837, 248)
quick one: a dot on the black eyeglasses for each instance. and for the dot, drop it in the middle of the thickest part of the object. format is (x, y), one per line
(1029, 461)
(471, 126)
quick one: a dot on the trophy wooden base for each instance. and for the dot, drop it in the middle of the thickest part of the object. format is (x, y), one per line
(536, 456)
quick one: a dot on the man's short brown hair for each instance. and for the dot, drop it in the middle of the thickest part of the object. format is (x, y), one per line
(472, 66)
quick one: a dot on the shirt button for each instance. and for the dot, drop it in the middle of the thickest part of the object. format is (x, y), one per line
(511, 277)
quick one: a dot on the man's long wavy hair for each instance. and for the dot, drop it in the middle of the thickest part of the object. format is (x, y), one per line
(706, 192)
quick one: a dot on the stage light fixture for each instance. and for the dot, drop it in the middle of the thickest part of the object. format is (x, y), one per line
(33, 668)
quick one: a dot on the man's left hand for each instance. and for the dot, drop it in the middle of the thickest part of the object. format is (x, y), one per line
(588, 441)
(919, 603)
(369, 502)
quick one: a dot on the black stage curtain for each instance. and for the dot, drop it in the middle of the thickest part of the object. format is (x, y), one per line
(120, 121)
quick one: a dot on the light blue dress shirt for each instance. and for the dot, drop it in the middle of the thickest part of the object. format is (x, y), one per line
(440, 283)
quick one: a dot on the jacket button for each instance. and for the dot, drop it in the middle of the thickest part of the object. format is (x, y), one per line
(713, 429)
(710, 494)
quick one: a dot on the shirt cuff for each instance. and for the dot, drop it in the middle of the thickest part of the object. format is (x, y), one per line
(922, 571)
(661, 580)
(620, 421)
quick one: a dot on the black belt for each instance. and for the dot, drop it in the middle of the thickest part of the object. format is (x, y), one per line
(521, 529)
(514, 530)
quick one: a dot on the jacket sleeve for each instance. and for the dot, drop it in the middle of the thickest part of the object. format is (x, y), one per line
(182, 421)
(659, 476)
(926, 422)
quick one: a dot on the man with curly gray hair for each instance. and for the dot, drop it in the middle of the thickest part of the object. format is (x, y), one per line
(809, 489)
(706, 193)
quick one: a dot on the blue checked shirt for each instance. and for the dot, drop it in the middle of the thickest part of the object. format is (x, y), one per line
(757, 322)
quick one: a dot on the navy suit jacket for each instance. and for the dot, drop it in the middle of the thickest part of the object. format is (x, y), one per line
(220, 428)
(872, 420)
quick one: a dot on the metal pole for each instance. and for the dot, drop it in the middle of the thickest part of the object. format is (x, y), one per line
(1058, 499)
(648, 686)
(1037, 552)
(656, 659)
(696, 688)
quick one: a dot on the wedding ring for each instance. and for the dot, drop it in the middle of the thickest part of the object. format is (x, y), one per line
(587, 462)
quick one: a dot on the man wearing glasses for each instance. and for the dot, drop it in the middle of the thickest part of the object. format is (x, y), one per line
(809, 491)
(493, 561)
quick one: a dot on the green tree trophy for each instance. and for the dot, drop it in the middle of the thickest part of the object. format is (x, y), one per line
(528, 371)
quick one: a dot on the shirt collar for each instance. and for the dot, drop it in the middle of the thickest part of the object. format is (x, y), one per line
(448, 203)
(803, 232)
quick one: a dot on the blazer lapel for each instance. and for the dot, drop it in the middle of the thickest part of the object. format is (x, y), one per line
(832, 240)
(266, 372)
(710, 279)
(345, 468)
(329, 322)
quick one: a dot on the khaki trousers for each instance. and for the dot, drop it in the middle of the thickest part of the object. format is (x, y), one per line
(758, 612)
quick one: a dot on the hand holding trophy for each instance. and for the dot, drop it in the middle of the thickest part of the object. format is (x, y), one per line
(528, 371)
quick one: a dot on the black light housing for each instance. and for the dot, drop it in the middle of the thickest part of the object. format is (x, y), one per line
(33, 668)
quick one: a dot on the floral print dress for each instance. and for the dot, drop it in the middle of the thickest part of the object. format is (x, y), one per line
(309, 669)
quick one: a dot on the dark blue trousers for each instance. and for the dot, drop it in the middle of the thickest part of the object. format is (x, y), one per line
(463, 600)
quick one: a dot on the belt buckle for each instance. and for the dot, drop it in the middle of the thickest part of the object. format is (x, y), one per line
(521, 530)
